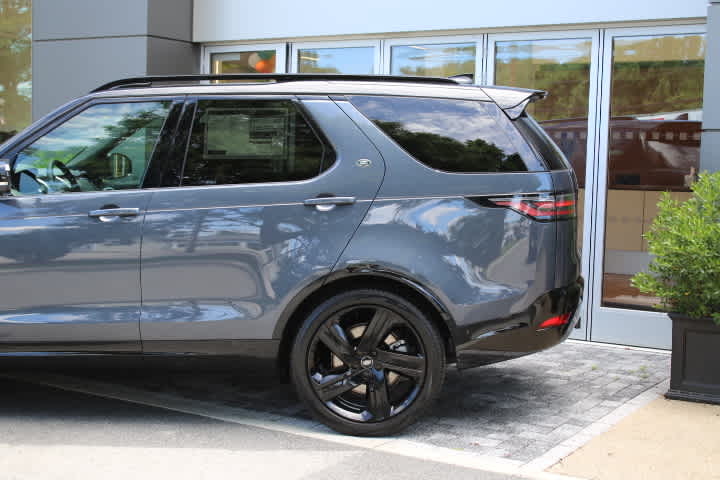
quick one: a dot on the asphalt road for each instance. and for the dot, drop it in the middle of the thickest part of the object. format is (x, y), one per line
(48, 433)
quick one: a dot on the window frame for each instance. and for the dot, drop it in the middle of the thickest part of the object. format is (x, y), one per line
(75, 109)
(375, 44)
(194, 100)
(209, 50)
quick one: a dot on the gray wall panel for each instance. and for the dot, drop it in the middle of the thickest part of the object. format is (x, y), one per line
(168, 57)
(81, 44)
(63, 70)
(170, 19)
(63, 19)
(225, 20)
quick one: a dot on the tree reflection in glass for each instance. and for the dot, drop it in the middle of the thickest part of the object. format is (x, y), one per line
(449, 135)
(562, 68)
(75, 156)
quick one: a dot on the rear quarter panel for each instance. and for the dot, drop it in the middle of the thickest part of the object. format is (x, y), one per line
(486, 265)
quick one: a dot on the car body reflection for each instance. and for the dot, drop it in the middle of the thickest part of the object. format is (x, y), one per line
(643, 154)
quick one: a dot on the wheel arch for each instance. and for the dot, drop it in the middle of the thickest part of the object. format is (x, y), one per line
(303, 303)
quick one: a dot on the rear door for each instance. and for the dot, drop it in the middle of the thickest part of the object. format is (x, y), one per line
(270, 193)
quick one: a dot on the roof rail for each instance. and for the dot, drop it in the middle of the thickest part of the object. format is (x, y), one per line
(140, 82)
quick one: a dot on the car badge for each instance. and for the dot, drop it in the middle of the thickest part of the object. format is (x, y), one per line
(363, 162)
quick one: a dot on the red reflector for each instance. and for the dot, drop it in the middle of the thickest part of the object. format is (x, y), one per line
(555, 321)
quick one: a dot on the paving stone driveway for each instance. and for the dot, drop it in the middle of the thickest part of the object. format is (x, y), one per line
(516, 410)
(522, 408)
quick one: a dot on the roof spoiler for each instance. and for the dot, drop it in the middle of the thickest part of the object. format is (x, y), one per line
(513, 101)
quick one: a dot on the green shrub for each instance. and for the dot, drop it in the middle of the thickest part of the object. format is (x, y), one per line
(685, 241)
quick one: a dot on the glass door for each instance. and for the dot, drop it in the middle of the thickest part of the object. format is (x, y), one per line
(651, 123)
(565, 65)
(266, 58)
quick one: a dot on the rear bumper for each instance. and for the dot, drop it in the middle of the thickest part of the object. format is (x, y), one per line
(520, 335)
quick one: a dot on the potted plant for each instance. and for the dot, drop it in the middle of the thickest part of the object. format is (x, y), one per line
(685, 274)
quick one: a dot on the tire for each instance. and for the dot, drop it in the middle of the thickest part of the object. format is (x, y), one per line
(367, 362)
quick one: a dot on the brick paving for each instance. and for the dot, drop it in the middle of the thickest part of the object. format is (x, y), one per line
(516, 410)
(522, 408)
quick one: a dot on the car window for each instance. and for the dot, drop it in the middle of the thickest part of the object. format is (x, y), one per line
(450, 135)
(104, 147)
(252, 141)
(541, 142)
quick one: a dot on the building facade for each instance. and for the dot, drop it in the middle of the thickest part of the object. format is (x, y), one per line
(630, 102)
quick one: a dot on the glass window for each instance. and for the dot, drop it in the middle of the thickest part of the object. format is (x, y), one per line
(655, 125)
(244, 141)
(105, 147)
(449, 135)
(433, 60)
(349, 60)
(256, 61)
(15, 66)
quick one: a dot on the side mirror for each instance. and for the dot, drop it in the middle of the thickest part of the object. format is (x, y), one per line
(4, 177)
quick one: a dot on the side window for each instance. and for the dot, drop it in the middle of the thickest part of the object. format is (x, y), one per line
(252, 141)
(105, 147)
(450, 135)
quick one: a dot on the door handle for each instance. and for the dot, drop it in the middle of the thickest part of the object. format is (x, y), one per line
(325, 204)
(112, 214)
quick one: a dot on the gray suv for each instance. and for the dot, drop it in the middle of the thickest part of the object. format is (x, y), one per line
(361, 233)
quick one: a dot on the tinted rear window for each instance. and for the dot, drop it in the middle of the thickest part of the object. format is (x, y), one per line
(541, 142)
(451, 135)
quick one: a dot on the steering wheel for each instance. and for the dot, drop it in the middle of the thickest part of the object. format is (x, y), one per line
(66, 177)
(44, 187)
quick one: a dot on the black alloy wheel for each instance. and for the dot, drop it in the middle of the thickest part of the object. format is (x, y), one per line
(368, 362)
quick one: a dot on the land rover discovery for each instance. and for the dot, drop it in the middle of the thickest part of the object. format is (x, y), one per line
(361, 232)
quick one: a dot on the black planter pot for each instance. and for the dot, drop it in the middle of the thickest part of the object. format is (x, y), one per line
(695, 371)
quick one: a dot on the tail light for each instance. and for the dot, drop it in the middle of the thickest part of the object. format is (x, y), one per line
(540, 207)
